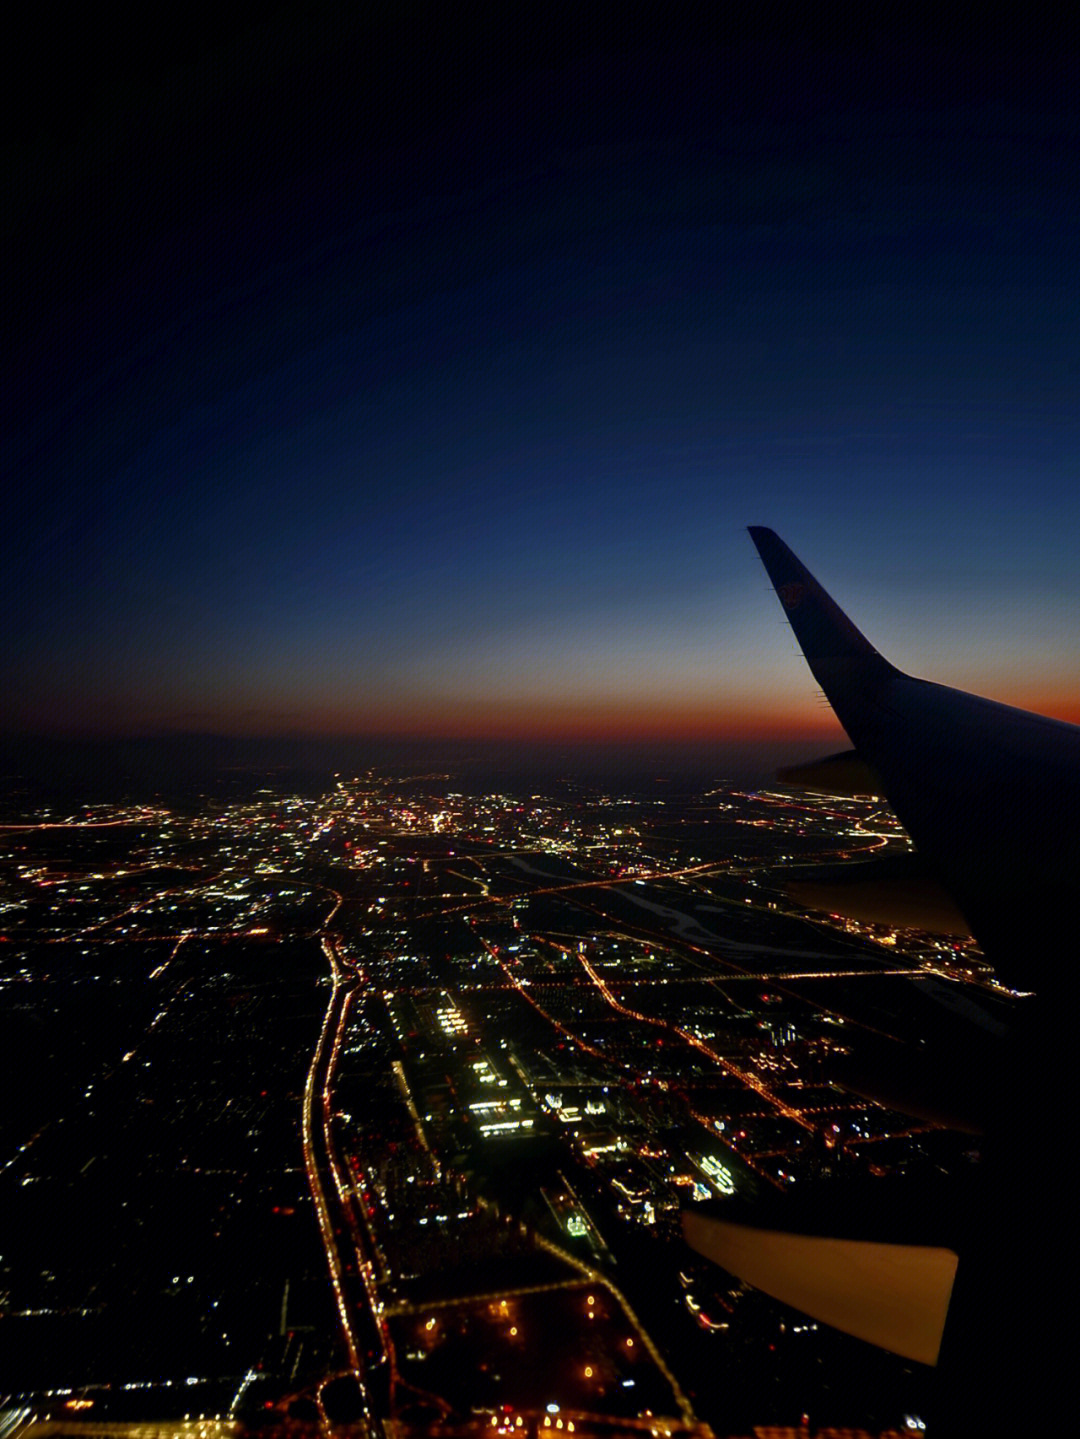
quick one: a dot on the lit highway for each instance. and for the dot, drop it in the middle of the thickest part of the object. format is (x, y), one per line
(652, 1028)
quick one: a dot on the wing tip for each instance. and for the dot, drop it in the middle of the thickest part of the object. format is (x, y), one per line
(822, 628)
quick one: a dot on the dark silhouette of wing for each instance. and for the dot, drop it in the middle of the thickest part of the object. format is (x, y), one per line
(990, 796)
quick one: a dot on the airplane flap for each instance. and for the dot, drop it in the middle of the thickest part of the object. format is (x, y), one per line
(846, 773)
(892, 1295)
(913, 900)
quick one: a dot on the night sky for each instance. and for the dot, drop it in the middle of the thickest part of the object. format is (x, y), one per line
(397, 379)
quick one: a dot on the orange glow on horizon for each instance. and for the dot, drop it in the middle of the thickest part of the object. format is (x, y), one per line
(561, 723)
(799, 718)
(1059, 706)
(802, 718)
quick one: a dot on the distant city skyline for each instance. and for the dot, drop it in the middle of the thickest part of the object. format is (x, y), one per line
(368, 387)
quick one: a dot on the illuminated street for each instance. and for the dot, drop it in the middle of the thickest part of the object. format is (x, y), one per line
(529, 1032)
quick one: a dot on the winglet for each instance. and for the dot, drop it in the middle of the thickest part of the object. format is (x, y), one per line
(833, 647)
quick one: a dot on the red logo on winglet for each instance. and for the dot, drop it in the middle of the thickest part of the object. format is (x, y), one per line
(792, 594)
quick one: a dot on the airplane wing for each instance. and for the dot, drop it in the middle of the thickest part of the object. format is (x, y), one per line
(990, 796)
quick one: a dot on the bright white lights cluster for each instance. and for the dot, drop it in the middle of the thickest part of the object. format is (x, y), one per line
(719, 1173)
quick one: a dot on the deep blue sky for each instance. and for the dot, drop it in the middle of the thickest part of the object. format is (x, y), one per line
(405, 380)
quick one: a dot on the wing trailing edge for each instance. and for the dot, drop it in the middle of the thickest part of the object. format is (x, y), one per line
(893, 1295)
